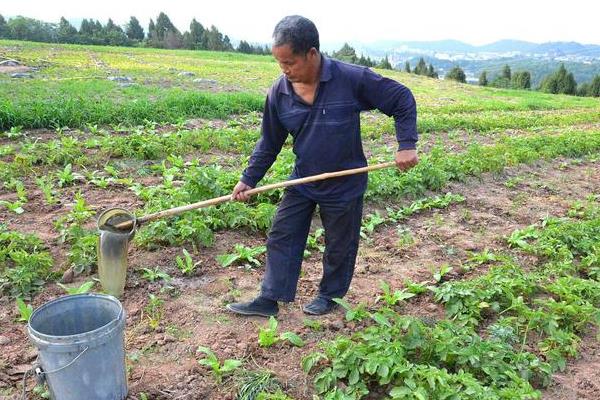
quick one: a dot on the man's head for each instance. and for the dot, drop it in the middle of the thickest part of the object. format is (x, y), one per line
(296, 48)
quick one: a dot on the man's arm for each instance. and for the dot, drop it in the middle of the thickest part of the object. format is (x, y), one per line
(273, 136)
(393, 99)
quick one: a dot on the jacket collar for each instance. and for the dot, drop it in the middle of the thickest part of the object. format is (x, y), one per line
(326, 66)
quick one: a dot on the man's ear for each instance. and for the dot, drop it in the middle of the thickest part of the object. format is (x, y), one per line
(312, 53)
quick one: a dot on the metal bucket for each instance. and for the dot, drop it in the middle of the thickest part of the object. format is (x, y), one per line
(112, 249)
(80, 343)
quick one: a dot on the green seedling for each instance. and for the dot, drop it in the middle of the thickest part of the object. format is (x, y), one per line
(186, 265)
(415, 287)
(47, 189)
(84, 288)
(25, 310)
(267, 336)
(154, 309)
(15, 207)
(357, 313)
(66, 177)
(243, 255)
(313, 324)
(439, 274)
(155, 275)
(392, 298)
(219, 370)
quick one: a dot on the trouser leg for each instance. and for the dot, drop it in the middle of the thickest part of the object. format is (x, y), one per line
(342, 233)
(285, 246)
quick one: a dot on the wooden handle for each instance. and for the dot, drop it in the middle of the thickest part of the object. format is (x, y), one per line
(217, 200)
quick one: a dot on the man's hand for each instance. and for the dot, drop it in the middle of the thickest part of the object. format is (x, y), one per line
(239, 192)
(406, 159)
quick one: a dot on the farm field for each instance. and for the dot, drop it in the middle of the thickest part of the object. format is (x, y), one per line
(478, 274)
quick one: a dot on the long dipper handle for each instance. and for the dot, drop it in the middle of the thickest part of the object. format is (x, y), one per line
(217, 200)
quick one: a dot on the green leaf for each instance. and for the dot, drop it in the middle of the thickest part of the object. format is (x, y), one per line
(230, 365)
(293, 339)
(227, 259)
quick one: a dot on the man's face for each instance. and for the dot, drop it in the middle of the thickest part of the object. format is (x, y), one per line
(296, 67)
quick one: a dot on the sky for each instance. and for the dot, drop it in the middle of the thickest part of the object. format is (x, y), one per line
(473, 22)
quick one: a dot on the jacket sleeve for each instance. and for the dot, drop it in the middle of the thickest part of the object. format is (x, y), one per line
(273, 135)
(392, 99)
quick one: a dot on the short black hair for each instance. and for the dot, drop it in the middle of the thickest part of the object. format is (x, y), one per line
(298, 32)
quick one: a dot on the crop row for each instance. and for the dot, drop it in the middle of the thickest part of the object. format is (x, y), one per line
(534, 318)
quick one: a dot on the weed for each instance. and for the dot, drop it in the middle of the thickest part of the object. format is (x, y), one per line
(243, 255)
(218, 369)
(186, 265)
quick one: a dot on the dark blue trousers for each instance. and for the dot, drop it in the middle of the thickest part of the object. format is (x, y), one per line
(287, 240)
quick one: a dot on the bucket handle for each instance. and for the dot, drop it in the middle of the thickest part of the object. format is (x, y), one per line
(39, 372)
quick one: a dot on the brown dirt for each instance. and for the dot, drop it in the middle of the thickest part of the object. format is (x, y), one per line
(163, 363)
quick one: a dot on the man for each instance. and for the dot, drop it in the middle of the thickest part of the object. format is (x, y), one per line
(318, 101)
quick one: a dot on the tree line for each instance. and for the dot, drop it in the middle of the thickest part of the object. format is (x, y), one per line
(159, 34)
(560, 81)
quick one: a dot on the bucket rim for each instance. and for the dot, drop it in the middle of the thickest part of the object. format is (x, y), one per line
(132, 217)
(78, 338)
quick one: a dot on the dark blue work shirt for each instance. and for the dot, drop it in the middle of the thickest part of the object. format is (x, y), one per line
(327, 133)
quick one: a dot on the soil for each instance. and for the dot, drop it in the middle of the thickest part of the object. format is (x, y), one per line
(163, 363)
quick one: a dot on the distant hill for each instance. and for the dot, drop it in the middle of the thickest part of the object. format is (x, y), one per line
(538, 58)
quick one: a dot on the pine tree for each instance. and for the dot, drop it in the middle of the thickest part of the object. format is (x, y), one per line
(134, 30)
(385, 63)
(483, 81)
(457, 74)
(66, 33)
(346, 54)
(196, 34)
(594, 89)
(151, 30)
(561, 81)
(506, 73)
(431, 72)
(407, 67)
(521, 80)
(3, 27)
(164, 26)
(421, 68)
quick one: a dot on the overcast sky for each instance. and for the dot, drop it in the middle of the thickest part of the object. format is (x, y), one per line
(474, 22)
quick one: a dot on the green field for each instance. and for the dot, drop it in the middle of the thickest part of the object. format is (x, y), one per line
(479, 269)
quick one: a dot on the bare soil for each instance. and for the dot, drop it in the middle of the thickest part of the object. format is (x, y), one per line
(163, 363)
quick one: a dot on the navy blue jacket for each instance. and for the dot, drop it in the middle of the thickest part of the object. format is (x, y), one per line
(327, 133)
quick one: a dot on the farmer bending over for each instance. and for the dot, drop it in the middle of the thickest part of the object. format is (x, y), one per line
(318, 101)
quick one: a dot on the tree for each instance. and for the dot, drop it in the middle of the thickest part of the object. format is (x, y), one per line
(457, 74)
(483, 81)
(3, 27)
(134, 30)
(431, 72)
(66, 32)
(421, 68)
(163, 27)
(151, 31)
(506, 73)
(407, 67)
(346, 54)
(196, 34)
(385, 63)
(521, 80)
(561, 81)
(227, 46)
(594, 89)
(22, 28)
(214, 39)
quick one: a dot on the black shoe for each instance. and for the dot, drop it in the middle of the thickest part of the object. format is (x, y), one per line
(259, 306)
(319, 306)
